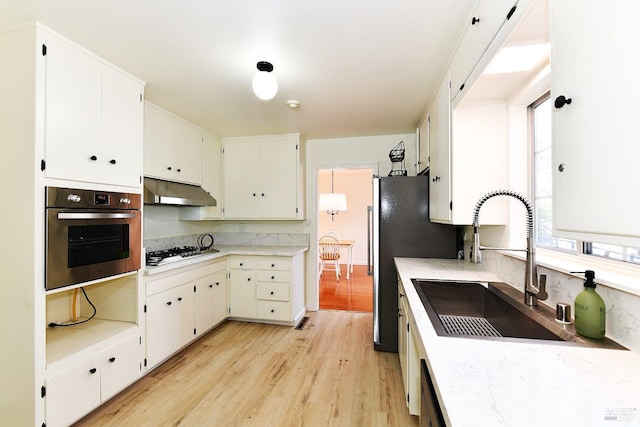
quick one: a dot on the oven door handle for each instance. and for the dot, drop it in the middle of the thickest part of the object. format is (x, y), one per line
(94, 215)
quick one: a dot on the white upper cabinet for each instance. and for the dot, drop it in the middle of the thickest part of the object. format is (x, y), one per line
(423, 144)
(595, 65)
(93, 118)
(440, 153)
(263, 177)
(172, 147)
(487, 19)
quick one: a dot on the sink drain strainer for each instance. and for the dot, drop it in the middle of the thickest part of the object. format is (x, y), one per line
(466, 325)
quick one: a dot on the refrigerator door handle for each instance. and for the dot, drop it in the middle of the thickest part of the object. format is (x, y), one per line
(376, 257)
(369, 239)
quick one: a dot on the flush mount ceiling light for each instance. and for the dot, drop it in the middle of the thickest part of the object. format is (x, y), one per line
(293, 104)
(264, 84)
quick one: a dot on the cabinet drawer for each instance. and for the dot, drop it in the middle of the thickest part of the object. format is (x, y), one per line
(208, 269)
(274, 264)
(169, 282)
(245, 263)
(274, 310)
(273, 291)
(273, 276)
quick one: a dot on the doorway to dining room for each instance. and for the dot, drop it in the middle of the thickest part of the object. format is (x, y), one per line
(353, 290)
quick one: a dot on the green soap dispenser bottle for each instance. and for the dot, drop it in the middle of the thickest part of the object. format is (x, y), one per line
(590, 311)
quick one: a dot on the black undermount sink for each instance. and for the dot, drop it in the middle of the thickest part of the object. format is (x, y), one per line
(496, 311)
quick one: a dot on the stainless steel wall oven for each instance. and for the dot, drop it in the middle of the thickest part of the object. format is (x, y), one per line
(90, 235)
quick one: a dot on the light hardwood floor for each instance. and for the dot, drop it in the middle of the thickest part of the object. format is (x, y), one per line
(249, 374)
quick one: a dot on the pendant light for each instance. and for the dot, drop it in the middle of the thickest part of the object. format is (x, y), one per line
(264, 84)
(332, 202)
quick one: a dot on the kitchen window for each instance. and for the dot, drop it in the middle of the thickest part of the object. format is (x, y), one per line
(541, 154)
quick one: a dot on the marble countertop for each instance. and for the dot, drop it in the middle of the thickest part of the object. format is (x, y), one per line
(520, 383)
(225, 250)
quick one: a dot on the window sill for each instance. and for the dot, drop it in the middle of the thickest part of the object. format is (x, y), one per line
(611, 274)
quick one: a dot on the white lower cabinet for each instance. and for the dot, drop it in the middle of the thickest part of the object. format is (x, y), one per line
(74, 392)
(268, 288)
(408, 353)
(211, 296)
(242, 287)
(170, 315)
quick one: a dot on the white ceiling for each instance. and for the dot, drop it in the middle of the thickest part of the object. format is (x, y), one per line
(357, 67)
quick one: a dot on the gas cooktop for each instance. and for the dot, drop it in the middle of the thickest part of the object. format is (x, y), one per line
(167, 256)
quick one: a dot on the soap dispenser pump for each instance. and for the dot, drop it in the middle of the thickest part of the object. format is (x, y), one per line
(590, 313)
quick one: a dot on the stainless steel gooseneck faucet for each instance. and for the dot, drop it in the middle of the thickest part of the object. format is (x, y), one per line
(533, 291)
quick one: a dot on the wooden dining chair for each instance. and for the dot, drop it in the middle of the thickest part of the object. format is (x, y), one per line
(329, 252)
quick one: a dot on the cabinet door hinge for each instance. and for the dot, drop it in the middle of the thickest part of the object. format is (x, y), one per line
(229, 310)
(194, 289)
(296, 147)
(42, 164)
(296, 210)
(408, 398)
(43, 391)
(145, 362)
(462, 86)
(511, 12)
(44, 425)
(140, 340)
(44, 49)
(450, 206)
(194, 331)
(145, 308)
(140, 97)
(407, 327)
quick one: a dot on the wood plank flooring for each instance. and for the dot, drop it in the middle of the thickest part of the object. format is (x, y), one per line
(355, 294)
(249, 374)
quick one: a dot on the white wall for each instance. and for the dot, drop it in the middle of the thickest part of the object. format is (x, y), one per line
(346, 153)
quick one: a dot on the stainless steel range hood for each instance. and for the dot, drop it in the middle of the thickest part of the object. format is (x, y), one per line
(159, 192)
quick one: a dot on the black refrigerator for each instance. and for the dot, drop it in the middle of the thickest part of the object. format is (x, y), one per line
(400, 227)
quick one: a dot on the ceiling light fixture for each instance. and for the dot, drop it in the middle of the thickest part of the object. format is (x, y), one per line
(264, 84)
(293, 104)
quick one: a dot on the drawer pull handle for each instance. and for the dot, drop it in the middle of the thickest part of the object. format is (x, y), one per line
(168, 302)
(93, 371)
(273, 277)
(112, 161)
(179, 298)
(217, 283)
(271, 292)
(273, 265)
(211, 285)
(94, 158)
(241, 264)
(272, 310)
(112, 359)
(249, 279)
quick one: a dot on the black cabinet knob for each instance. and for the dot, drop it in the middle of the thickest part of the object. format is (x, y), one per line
(561, 101)
(273, 277)
(112, 359)
(262, 194)
(241, 264)
(168, 168)
(168, 302)
(271, 292)
(217, 283)
(179, 298)
(474, 20)
(273, 265)
(112, 161)
(273, 311)
(93, 371)
(249, 279)
(211, 285)
(94, 158)
(179, 170)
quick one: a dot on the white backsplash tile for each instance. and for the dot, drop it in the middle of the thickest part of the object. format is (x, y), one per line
(623, 309)
(263, 239)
